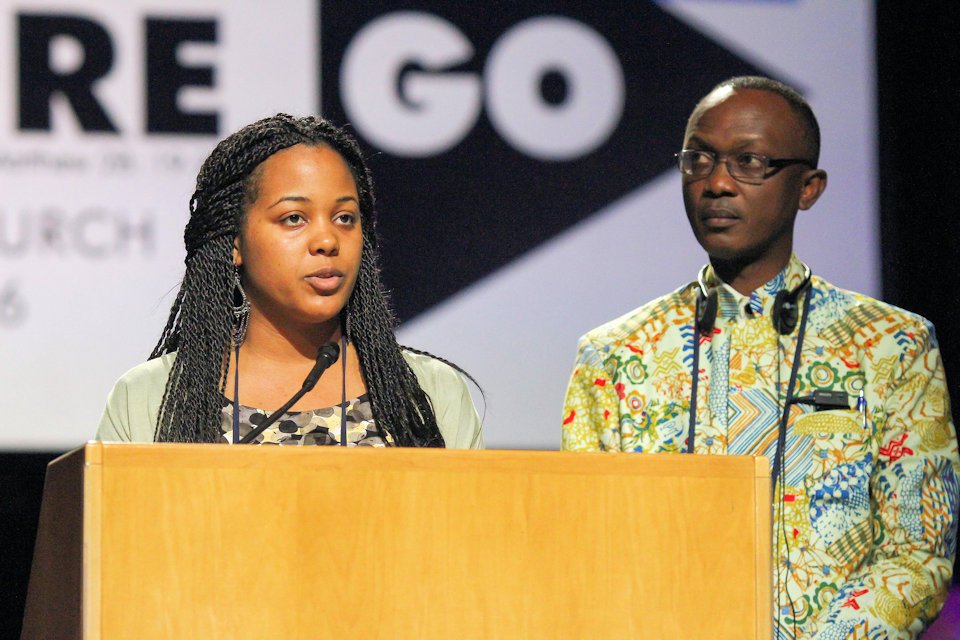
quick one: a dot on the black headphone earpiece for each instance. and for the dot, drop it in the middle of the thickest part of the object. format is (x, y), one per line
(784, 314)
(707, 310)
(785, 310)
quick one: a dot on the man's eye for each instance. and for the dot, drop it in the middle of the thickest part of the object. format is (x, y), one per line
(701, 159)
(751, 162)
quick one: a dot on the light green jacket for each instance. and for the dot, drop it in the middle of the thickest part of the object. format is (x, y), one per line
(134, 403)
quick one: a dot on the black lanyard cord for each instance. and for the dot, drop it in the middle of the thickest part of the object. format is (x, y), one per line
(692, 430)
(343, 391)
(778, 456)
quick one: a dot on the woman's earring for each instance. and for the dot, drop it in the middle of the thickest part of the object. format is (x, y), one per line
(241, 309)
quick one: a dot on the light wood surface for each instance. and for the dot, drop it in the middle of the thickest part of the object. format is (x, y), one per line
(206, 541)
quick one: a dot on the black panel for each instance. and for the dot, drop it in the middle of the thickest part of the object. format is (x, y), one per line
(21, 478)
(475, 208)
(918, 56)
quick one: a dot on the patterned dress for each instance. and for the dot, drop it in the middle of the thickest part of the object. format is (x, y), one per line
(307, 428)
(865, 521)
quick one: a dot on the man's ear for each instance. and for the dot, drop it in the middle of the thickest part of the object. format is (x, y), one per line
(237, 256)
(814, 184)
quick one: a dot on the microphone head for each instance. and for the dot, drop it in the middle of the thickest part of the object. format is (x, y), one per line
(326, 356)
(329, 352)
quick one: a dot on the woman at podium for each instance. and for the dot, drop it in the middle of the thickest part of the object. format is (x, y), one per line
(282, 265)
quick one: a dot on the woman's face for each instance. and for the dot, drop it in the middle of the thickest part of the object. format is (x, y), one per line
(301, 241)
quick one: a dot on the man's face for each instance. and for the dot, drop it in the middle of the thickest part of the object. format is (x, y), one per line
(740, 222)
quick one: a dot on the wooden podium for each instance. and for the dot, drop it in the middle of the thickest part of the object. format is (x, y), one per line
(208, 541)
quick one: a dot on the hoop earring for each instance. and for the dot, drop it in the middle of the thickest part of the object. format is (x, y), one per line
(241, 309)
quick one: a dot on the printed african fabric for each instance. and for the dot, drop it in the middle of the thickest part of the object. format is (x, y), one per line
(308, 428)
(865, 526)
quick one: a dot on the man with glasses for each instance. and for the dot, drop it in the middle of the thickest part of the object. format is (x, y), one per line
(845, 394)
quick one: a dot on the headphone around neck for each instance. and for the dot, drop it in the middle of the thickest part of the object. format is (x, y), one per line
(785, 308)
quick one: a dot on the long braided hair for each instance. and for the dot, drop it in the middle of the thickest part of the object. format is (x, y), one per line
(200, 326)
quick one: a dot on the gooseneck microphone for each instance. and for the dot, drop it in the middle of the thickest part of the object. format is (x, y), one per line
(327, 355)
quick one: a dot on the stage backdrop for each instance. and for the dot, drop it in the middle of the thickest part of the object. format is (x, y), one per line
(522, 154)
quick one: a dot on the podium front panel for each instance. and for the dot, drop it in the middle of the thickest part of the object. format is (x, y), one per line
(274, 542)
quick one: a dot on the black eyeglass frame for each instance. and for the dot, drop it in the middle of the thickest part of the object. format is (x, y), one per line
(771, 166)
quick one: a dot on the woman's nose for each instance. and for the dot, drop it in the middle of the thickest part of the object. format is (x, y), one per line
(324, 239)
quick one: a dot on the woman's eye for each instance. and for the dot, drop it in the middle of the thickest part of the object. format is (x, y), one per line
(346, 217)
(293, 220)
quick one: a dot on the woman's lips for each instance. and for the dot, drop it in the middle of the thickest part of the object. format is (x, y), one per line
(325, 281)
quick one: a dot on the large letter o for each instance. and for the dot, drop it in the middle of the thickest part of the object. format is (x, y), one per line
(593, 104)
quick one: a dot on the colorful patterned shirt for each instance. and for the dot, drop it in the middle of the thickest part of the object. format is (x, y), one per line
(865, 518)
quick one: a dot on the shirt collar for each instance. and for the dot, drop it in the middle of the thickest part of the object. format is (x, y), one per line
(733, 304)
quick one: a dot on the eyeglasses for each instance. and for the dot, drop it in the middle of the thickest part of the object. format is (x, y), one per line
(746, 167)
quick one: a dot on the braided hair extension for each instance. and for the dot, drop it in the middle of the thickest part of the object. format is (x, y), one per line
(199, 327)
(452, 365)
